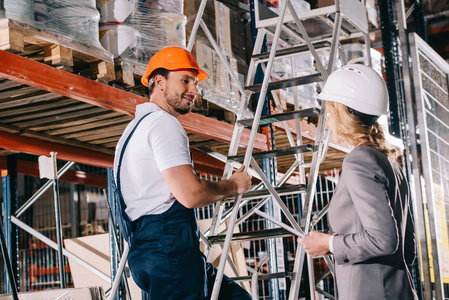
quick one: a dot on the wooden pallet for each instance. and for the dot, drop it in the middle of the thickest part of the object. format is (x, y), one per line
(129, 73)
(57, 50)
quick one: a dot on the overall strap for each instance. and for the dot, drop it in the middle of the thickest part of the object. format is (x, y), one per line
(123, 150)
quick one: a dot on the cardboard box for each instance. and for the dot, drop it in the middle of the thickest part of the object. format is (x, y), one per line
(95, 251)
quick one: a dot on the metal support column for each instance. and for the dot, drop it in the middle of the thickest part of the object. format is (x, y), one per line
(59, 234)
(420, 277)
(11, 233)
(418, 18)
(393, 68)
(112, 230)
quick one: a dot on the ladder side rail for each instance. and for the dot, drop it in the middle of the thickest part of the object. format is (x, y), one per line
(218, 212)
(233, 147)
(222, 57)
(254, 278)
(235, 270)
(219, 208)
(300, 158)
(302, 172)
(307, 206)
(368, 50)
(256, 14)
(297, 273)
(118, 276)
(220, 43)
(306, 38)
(113, 232)
(311, 187)
(249, 149)
(196, 24)
(256, 50)
(275, 195)
(311, 277)
(342, 55)
(325, 147)
(226, 246)
(334, 43)
(329, 263)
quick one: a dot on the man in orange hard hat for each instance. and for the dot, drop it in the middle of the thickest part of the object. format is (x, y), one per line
(159, 187)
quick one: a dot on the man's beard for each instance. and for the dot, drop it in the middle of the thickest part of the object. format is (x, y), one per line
(175, 101)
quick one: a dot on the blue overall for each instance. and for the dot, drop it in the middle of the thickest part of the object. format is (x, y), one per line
(166, 261)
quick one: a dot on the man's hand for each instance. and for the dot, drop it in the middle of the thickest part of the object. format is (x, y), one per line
(316, 243)
(241, 179)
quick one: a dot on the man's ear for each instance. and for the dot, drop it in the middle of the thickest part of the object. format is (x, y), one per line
(159, 82)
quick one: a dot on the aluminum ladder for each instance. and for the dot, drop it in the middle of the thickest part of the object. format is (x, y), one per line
(344, 20)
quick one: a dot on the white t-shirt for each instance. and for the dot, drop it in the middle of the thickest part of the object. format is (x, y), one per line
(158, 143)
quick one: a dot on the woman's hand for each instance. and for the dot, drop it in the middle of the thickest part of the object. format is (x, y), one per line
(316, 243)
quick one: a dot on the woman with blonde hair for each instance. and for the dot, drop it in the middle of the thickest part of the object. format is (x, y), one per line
(371, 228)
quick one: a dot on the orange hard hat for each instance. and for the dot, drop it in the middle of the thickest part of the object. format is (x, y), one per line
(173, 58)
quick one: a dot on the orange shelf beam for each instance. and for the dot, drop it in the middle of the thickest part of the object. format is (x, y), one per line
(28, 145)
(48, 78)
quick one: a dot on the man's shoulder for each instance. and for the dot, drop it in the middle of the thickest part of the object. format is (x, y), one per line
(156, 114)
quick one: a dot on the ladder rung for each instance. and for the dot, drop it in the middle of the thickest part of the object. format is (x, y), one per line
(281, 191)
(308, 112)
(286, 83)
(252, 235)
(265, 276)
(292, 50)
(276, 153)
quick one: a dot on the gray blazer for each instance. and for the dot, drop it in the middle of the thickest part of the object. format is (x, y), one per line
(374, 236)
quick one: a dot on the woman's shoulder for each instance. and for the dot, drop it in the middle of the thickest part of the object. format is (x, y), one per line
(365, 152)
(367, 157)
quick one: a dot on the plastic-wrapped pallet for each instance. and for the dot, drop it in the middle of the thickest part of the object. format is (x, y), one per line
(135, 30)
(20, 10)
(159, 30)
(116, 34)
(76, 20)
(160, 23)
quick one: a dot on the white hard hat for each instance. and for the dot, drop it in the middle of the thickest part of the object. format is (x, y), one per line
(358, 87)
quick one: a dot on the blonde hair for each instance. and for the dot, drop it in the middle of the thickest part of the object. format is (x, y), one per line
(351, 130)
